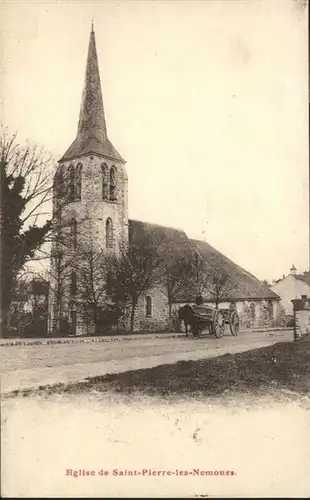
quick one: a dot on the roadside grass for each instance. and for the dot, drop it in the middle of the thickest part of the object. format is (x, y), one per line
(279, 367)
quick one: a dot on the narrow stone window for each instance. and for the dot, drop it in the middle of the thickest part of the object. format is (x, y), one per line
(148, 306)
(71, 183)
(109, 233)
(73, 284)
(78, 185)
(73, 230)
(113, 184)
(58, 184)
(73, 317)
(105, 181)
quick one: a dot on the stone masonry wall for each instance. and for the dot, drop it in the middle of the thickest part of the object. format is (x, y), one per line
(302, 327)
(252, 314)
(159, 320)
(91, 213)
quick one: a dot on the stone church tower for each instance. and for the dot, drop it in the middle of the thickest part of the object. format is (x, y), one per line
(90, 200)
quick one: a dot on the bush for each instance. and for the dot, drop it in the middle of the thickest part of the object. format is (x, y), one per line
(35, 329)
(63, 330)
(10, 333)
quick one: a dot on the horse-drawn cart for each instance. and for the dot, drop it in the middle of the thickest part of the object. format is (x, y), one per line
(232, 319)
(200, 318)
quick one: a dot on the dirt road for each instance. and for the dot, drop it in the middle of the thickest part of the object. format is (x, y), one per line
(34, 365)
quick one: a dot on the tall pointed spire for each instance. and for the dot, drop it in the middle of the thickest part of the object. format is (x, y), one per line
(92, 119)
(92, 131)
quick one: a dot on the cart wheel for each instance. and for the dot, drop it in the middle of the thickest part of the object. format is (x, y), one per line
(218, 324)
(234, 323)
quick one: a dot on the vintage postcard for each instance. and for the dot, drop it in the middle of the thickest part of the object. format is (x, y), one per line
(155, 280)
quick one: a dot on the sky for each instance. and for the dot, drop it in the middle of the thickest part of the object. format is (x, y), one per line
(206, 101)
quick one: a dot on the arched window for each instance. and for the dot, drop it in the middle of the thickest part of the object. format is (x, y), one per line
(105, 181)
(148, 306)
(78, 184)
(109, 233)
(73, 284)
(113, 184)
(73, 230)
(58, 184)
(71, 183)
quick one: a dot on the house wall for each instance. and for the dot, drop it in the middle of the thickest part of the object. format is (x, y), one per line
(290, 288)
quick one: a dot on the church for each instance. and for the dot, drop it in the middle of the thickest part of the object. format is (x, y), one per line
(91, 177)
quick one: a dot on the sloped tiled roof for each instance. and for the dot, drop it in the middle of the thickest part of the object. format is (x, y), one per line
(245, 285)
(91, 145)
(162, 236)
(304, 277)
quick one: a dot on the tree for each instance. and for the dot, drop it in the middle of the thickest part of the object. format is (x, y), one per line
(29, 305)
(176, 275)
(57, 278)
(135, 271)
(26, 188)
(208, 279)
(64, 257)
(198, 276)
(219, 284)
(93, 270)
(20, 298)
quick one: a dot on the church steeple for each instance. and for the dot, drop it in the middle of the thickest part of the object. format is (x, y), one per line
(92, 119)
(92, 131)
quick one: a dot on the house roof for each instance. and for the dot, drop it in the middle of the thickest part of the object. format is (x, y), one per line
(175, 241)
(304, 277)
(92, 130)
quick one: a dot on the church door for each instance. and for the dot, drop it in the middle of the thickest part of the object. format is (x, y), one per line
(73, 322)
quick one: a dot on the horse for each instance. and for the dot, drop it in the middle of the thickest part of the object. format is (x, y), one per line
(185, 314)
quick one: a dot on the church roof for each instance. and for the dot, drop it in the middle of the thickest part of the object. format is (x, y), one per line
(92, 130)
(245, 285)
(141, 232)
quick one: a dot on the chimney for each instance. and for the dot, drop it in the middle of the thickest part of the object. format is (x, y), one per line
(293, 270)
